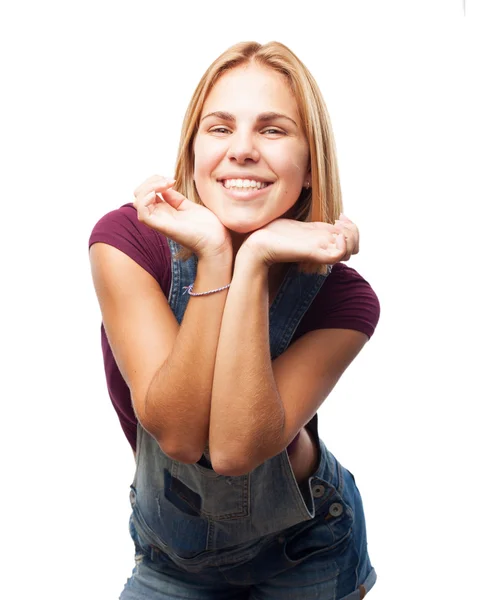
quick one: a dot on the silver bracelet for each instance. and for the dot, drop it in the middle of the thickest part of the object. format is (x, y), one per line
(188, 288)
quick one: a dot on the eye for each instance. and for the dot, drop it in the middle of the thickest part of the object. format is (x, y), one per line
(273, 131)
(220, 130)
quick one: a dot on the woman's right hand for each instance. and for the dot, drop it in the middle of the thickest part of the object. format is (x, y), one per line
(189, 224)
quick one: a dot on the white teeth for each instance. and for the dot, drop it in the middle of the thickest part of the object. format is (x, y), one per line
(243, 183)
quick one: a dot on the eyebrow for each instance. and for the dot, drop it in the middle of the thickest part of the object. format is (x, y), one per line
(262, 118)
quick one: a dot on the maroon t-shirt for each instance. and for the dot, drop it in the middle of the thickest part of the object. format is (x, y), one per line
(345, 301)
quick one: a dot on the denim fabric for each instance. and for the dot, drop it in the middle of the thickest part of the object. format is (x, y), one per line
(200, 535)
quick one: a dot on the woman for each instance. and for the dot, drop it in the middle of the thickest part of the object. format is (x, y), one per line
(224, 329)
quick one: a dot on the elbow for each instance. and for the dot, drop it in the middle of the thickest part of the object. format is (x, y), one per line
(172, 440)
(183, 454)
(242, 459)
(232, 469)
(179, 449)
(233, 465)
(174, 447)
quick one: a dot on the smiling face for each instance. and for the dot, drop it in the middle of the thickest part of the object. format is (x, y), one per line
(251, 156)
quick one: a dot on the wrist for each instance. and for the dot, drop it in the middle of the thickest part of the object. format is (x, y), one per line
(219, 254)
(219, 261)
(213, 272)
(250, 255)
(250, 267)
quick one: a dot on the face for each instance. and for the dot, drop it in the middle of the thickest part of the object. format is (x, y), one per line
(251, 157)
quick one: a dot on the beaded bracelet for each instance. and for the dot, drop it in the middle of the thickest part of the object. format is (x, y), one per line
(188, 289)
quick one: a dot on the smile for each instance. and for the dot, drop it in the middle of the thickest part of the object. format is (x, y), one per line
(244, 189)
(240, 184)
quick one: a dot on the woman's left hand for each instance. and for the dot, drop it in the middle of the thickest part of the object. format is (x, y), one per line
(351, 234)
(287, 240)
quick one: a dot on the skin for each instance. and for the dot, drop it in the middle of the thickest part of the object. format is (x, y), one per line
(275, 150)
(247, 241)
(233, 140)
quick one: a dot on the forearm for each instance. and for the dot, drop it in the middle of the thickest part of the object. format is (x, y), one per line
(247, 415)
(177, 407)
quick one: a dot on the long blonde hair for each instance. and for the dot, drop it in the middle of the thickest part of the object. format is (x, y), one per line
(323, 200)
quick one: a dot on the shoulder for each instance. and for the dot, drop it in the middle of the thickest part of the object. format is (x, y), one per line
(124, 222)
(146, 246)
(344, 277)
(345, 301)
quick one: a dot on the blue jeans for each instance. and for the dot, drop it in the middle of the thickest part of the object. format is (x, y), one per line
(324, 558)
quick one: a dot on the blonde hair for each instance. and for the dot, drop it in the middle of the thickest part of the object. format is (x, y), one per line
(323, 200)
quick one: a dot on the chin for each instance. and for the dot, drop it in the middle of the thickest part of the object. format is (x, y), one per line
(242, 227)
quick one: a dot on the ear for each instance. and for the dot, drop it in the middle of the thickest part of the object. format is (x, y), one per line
(307, 180)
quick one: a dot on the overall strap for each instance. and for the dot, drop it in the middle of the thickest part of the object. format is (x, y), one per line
(295, 296)
(183, 273)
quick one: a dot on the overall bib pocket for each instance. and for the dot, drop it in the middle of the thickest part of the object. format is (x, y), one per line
(192, 500)
(216, 497)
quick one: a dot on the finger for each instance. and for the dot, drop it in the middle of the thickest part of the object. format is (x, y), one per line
(157, 182)
(351, 234)
(151, 180)
(342, 246)
(356, 245)
(159, 187)
(340, 250)
(176, 200)
(145, 205)
(355, 231)
(349, 239)
(143, 200)
(331, 251)
(142, 205)
(152, 191)
(343, 217)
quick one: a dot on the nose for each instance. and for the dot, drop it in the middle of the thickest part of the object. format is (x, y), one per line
(242, 148)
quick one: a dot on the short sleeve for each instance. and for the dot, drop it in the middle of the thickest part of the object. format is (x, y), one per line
(345, 301)
(147, 247)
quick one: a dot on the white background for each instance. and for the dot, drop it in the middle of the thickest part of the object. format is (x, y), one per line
(92, 103)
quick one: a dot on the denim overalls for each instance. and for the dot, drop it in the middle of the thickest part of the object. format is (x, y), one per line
(202, 521)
